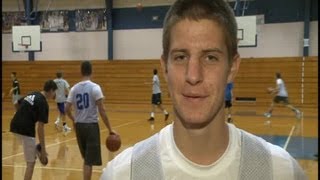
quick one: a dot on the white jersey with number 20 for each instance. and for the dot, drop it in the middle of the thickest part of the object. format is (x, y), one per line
(83, 97)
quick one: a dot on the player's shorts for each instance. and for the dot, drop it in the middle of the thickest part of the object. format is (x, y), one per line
(88, 137)
(15, 98)
(61, 108)
(156, 99)
(228, 104)
(278, 99)
(29, 147)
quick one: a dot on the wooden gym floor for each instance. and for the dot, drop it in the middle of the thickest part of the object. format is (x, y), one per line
(65, 162)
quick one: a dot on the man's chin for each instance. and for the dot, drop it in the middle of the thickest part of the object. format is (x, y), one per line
(194, 125)
(195, 120)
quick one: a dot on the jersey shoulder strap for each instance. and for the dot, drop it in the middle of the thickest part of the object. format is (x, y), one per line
(145, 161)
(256, 160)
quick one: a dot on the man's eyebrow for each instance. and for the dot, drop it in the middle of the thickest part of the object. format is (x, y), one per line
(178, 50)
(205, 51)
(213, 50)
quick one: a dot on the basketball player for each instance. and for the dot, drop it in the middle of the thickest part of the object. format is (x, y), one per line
(228, 100)
(87, 99)
(199, 58)
(281, 97)
(156, 97)
(15, 90)
(61, 94)
(33, 109)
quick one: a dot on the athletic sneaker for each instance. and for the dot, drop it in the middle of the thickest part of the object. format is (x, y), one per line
(166, 116)
(57, 125)
(66, 128)
(151, 119)
(267, 114)
(298, 115)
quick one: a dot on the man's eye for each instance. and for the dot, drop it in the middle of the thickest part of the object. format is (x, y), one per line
(211, 58)
(180, 58)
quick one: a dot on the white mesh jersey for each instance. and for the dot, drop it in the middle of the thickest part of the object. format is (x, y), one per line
(83, 97)
(177, 166)
(61, 91)
(282, 88)
(155, 84)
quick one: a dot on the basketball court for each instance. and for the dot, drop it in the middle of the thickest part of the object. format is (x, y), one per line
(130, 121)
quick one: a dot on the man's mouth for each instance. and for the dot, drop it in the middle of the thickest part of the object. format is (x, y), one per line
(194, 97)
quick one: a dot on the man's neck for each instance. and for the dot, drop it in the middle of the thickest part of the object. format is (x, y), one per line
(202, 146)
(44, 94)
(85, 78)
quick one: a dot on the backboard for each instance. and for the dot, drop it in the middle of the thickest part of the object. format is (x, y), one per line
(247, 31)
(26, 38)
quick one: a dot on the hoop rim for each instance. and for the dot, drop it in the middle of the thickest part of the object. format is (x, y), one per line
(25, 45)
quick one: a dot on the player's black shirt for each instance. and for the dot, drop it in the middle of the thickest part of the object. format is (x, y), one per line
(15, 83)
(33, 107)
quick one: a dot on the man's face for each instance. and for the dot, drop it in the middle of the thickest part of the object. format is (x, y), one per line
(12, 76)
(52, 94)
(198, 71)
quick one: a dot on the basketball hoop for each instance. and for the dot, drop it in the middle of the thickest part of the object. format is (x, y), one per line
(25, 45)
(26, 38)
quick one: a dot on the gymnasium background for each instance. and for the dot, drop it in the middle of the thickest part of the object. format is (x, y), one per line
(137, 34)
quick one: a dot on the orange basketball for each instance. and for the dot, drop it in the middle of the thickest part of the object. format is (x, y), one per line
(113, 142)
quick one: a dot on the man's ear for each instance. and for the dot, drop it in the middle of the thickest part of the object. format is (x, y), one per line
(234, 68)
(163, 63)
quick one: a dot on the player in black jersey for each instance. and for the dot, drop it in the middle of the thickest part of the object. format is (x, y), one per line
(31, 110)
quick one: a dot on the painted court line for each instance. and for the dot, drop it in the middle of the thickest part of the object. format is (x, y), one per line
(52, 168)
(289, 137)
(125, 124)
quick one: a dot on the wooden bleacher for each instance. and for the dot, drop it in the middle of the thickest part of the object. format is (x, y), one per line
(256, 74)
(121, 81)
(125, 81)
